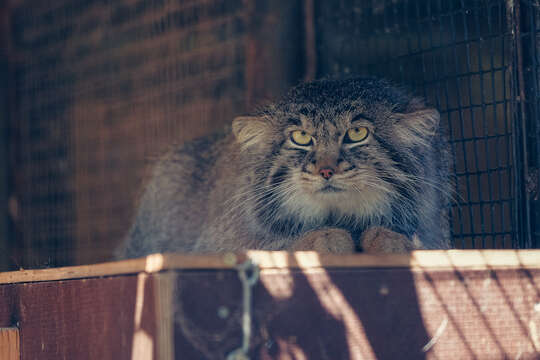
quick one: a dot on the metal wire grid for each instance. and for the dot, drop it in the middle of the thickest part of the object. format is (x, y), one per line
(40, 160)
(461, 55)
(526, 22)
(101, 88)
(457, 54)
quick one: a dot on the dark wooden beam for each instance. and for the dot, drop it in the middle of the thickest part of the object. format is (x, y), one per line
(274, 49)
(5, 95)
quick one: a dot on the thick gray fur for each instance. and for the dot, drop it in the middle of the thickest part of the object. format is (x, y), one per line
(253, 188)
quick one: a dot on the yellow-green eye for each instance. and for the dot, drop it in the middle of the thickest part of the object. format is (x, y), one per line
(300, 137)
(356, 134)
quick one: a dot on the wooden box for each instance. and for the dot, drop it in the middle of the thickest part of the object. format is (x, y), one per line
(429, 304)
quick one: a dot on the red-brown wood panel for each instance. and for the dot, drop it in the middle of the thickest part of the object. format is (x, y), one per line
(364, 314)
(315, 313)
(81, 319)
(8, 296)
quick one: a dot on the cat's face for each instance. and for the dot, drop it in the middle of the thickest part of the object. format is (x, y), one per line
(348, 158)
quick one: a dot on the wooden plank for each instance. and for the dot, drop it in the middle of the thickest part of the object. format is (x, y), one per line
(109, 318)
(312, 312)
(362, 313)
(9, 344)
(416, 260)
(165, 307)
(122, 317)
(275, 260)
(8, 305)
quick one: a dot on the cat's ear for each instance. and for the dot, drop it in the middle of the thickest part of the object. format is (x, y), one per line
(417, 126)
(251, 130)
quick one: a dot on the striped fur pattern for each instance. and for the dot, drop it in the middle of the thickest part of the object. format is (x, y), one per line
(254, 188)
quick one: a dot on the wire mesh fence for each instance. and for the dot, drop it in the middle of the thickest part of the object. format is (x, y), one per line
(98, 88)
(457, 54)
(101, 88)
(526, 20)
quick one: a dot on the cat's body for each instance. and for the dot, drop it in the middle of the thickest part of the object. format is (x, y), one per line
(350, 154)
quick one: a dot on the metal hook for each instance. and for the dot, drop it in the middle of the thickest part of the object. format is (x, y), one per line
(248, 272)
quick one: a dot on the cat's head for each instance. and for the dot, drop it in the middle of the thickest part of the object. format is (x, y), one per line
(346, 149)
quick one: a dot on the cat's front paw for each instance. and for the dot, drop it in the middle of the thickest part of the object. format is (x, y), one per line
(381, 240)
(330, 240)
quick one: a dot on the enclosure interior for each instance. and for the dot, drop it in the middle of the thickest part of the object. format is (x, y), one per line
(94, 90)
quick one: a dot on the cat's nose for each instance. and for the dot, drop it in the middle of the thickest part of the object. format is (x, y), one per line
(326, 172)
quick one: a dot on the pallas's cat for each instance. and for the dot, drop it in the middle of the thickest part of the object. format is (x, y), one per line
(352, 154)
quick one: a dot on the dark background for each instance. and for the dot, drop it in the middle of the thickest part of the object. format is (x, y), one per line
(93, 90)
